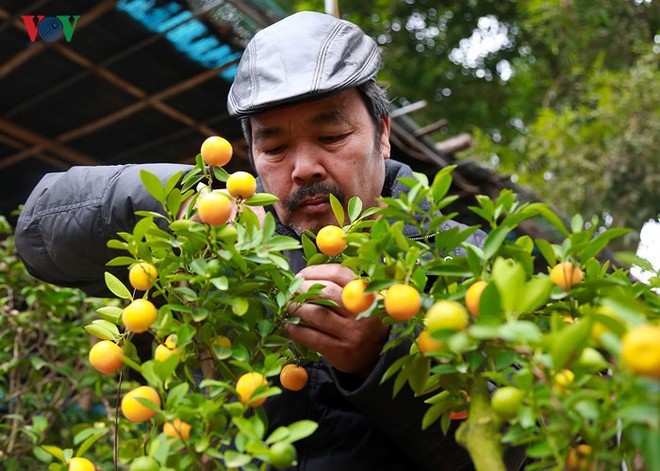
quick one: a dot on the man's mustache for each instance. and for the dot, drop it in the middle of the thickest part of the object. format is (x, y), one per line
(315, 189)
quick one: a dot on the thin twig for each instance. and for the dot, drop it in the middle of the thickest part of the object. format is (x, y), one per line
(115, 445)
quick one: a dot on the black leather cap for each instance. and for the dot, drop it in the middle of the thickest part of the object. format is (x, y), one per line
(305, 56)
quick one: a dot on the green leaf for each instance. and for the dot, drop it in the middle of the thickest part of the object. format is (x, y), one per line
(439, 398)
(495, 239)
(246, 426)
(117, 288)
(172, 182)
(192, 178)
(220, 174)
(433, 414)
(631, 310)
(396, 366)
(44, 457)
(484, 332)
(539, 450)
(486, 209)
(490, 306)
(442, 183)
(117, 244)
(521, 332)
(650, 449)
(261, 199)
(121, 261)
(534, 294)
(400, 380)
(474, 256)
(567, 345)
(87, 444)
(110, 313)
(337, 209)
(159, 448)
(402, 242)
(199, 266)
(354, 208)
(309, 247)
(184, 225)
(233, 459)
(280, 243)
(509, 277)
(176, 395)
(150, 214)
(37, 362)
(419, 373)
(317, 259)
(220, 282)
(551, 217)
(153, 185)
(442, 268)
(525, 243)
(39, 424)
(148, 371)
(110, 326)
(301, 429)
(601, 241)
(577, 223)
(164, 369)
(174, 201)
(100, 332)
(279, 434)
(547, 251)
(631, 258)
(55, 451)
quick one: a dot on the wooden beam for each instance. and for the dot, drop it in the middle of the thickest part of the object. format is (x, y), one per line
(143, 103)
(456, 144)
(11, 142)
(429, 128)
(418, 105)
(131, 89)
(37, 140)
(414, 147)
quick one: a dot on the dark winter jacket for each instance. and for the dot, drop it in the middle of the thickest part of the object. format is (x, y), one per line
(61, 236)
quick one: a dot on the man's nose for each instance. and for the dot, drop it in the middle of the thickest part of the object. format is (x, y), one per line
(308, 166)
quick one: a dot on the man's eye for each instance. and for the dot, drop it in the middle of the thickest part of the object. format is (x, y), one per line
(333, 139)
(273, 150)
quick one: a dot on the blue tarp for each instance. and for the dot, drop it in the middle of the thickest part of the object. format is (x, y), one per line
(189, 35)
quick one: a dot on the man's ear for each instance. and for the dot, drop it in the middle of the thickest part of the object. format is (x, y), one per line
(385, 145)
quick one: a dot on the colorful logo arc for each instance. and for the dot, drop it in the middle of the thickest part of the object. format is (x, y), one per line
(50, 28)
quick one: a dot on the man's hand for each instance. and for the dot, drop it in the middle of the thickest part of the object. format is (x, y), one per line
(350, 345)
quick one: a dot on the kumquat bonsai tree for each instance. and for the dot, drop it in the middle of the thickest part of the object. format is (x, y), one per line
(562, 360)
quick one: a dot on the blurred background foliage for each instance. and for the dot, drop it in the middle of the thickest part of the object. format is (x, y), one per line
(563, 95)
(47, 393)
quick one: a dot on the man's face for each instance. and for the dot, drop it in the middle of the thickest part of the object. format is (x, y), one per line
(304, 152)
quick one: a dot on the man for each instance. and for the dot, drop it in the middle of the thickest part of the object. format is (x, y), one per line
(316, 123)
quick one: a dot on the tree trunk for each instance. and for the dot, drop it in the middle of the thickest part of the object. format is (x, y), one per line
(480, 433)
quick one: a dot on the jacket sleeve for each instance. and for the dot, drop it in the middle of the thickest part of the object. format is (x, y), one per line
(401, 418)
(66, 222)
